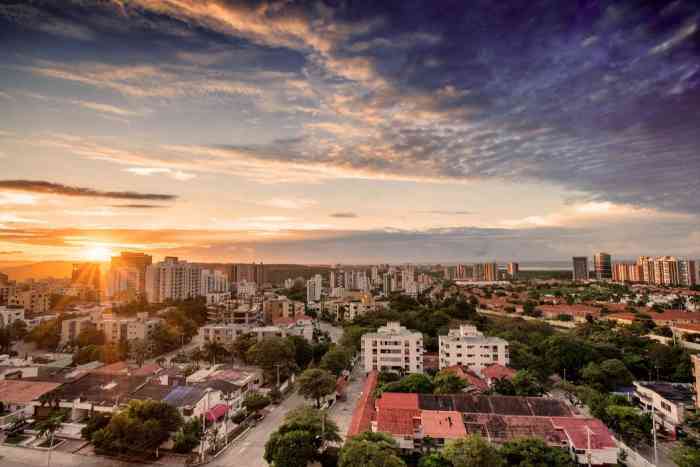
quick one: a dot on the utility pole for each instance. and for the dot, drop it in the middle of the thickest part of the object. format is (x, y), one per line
(653, 434)
(588, 453)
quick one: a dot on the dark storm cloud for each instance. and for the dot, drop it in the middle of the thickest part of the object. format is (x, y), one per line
(42, 186)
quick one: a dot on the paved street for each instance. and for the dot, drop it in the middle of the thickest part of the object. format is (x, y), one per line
(341, 412)
(336, 332)
(23, 457)
(249, 449)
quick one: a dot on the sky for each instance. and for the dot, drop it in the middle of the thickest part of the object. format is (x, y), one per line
(349, 131)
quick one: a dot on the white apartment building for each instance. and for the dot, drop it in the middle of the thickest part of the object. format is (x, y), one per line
(393, 348)
(314, 287)
(10, 314)
(245, 289)
(172, 279)
(114, 328)
(470, 348)
(668, 401)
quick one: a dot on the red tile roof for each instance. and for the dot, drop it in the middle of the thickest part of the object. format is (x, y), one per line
(398, 421)
(498, 371)
(23, 392)
(397, 400)
(577, 430)
(442, 424)
(364, 410)
(469, 377)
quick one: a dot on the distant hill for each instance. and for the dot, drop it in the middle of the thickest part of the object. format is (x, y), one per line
(40, 270)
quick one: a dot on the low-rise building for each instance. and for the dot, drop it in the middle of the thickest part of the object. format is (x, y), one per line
(468, 347)
(10, 314)
(393, 348)
(669, 402)
(33, 301)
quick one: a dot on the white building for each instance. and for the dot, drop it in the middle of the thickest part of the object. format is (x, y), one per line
(172, 279)
(314, 286)
(470, 348)
(245, 289)
(393, 348)
(10, 314)
(668, 401)
(288, 283)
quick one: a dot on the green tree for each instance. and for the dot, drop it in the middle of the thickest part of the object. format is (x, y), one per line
(534, 452)
(254, 402)
(336, 360)
(607, 375)
(139, 351)
(48, 427)
(525, 384)
(433, 459)
(316, 384)
(303, 352)
(472, 451)
(90, 336)
(370, 450)
(138, 429)
(292, 449)
(187, 437)
(97, 421)
(415, 382)
(46, 335)
(447, 382)
(686, 456)
(312, 430)
(214, 351)
(271, 354)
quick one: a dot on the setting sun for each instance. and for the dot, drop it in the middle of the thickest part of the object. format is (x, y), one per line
(98, 253)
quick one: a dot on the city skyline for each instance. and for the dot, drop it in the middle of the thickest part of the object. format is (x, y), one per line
(349, 133)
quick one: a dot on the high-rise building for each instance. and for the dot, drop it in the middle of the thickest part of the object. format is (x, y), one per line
(133, 260)
(513, 270)
(580, 268)
(87, 274)
(647, 269)
(687, 272)
(602, 264)
(172, 279)
(387, 282)
(490, 272)
(626, 272)
(248, 272)
(314, 287)
(375, 275)
(124, 283)
(213, 281)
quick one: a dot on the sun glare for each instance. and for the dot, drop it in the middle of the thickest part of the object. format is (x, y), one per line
(98, 253)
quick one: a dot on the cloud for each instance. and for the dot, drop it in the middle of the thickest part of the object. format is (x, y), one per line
(11, 252)
(447, 213)
(42, 186)
(148, 171)
(138, 206)
(344, 215)
(289, 203)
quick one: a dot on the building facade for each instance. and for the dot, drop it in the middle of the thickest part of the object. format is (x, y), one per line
(393, 348)
(602, 264)
(580, 268)
(172, 279)
(468, 347)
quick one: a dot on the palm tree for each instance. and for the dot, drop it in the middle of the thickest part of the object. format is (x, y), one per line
(47, 429)
(212, 350)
